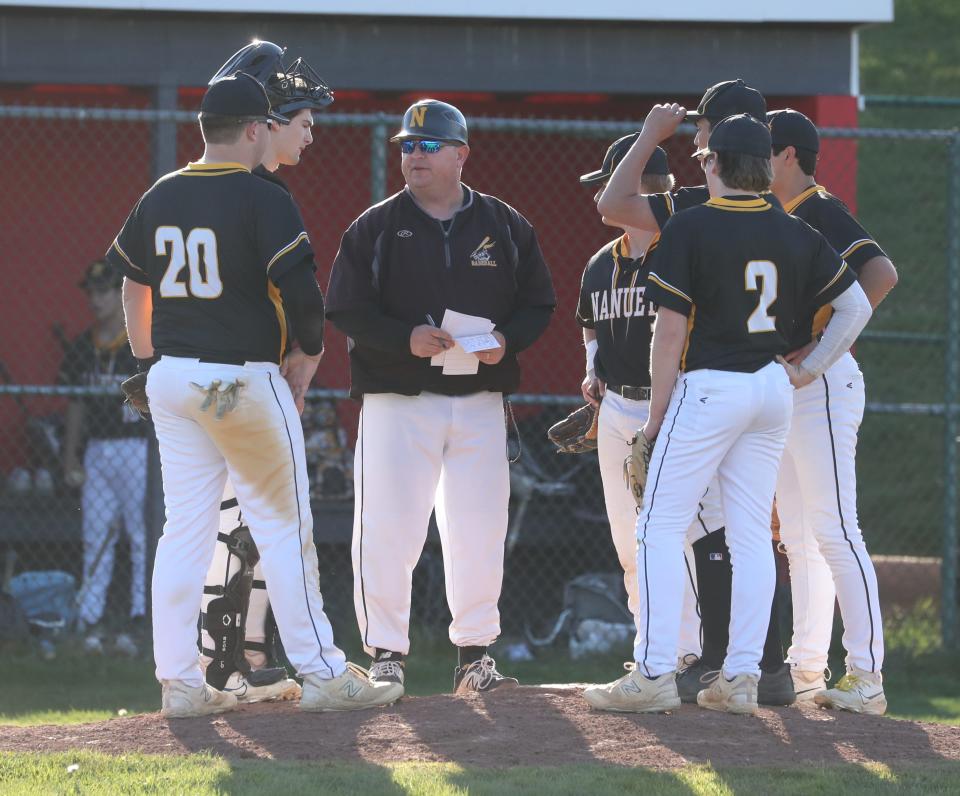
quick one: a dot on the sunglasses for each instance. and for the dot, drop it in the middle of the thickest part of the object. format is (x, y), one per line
(427, 147)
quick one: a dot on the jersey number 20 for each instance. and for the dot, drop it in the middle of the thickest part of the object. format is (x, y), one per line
(761, 275)
(198, 252)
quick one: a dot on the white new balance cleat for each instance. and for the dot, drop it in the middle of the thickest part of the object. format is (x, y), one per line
(857, 691)
(352, 690)
(634, 693)
(248, 690)
(738, 695)
(182, 701)
(807, 684)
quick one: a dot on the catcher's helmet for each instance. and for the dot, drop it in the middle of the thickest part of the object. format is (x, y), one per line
(259, 59)
(298, 87)
(432, 119)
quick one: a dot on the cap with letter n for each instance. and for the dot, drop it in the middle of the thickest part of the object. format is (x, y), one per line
(617, 151)
(741, 134)
(792, 128)
(433, 120)
(728, 99)
(240, 96)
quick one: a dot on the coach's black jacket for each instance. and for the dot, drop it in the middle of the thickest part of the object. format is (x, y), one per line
(397, 265)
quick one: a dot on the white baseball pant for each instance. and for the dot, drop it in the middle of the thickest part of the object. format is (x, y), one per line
(619, 420)
(414, 453)
(260, 445)
(115, 489)
(817, 503)
(732, 425)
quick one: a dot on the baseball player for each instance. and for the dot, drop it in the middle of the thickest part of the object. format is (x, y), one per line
(730, 277)
(617, 324)
(432, 432)
(215, 261)
(237, 627)
(114, 470)
(817, 488)
(622, 203)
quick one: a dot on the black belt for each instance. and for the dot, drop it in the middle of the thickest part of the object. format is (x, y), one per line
(223, 361)
(633, 393)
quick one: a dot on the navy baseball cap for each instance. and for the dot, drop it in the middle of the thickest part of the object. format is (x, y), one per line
(741, 134)
(792, 128)
(100, 275)
(242, 96)
(616, 152)
(728, 99)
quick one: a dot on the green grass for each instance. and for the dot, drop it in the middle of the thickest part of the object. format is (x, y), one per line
(131, 774)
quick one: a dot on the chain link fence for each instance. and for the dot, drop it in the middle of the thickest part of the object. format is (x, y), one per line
(80, 497)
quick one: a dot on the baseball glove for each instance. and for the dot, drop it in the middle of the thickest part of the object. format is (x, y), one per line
(577, 432)
(636, 464)
(135, 392)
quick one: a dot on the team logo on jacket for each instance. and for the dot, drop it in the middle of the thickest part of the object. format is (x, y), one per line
(481, 256)
(404, 233)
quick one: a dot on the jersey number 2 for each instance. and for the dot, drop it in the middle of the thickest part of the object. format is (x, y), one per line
(761, 275)
(198, 252)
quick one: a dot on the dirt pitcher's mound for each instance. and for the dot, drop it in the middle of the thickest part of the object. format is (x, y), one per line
(526, 726)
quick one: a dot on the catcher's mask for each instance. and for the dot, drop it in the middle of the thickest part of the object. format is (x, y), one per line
(298, 87)
(431, 119)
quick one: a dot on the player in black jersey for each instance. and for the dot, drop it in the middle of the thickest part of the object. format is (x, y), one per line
(817, 488)
(214, 260)
(617, 323)
(241, 658)
(731, 278)
(622, 203)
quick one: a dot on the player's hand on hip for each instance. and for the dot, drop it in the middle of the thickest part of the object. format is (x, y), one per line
(796, 357)
(298, 369)
(427, 341)
(491, 356)
(797, 375)
(592, 389)
(663, 120)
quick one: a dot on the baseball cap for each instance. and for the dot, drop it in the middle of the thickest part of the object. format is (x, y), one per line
(791, 128)
(615, 153)
(100, 275)
(242, 96)
(728, 99)
(742, 134)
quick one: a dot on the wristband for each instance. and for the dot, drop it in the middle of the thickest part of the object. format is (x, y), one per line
(143, 365)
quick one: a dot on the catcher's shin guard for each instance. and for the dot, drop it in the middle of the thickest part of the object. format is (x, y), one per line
(235, 607)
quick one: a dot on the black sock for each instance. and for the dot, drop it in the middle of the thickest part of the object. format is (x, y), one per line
(468, 655)
(714, 582)
(387, 655)
(772, 658)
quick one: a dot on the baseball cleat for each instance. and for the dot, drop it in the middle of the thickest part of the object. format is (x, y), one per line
(635, 693)
(738, 695)
(387, 667)
(182, 701)
(264, 689)
(481, 675)
(807, 684)
(352, 690)
(776, 688)
(690, 679)
(857, 691)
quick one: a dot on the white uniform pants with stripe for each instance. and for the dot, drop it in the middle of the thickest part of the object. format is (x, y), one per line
(732, 425)
(115, 490)
(414, 453)
(817, 503)
(260, 445)
(619, 420)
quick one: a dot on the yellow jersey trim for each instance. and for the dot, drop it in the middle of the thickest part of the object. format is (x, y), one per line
(857, 244)
(126, 259)
(686, 344)
(667, 286)
(835, 278)
(757, 205)
(669, 201)
(273, 292)
(290, 246)
(800, 198)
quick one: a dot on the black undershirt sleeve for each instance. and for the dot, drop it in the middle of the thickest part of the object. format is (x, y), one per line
(303, 304)
(371, 327)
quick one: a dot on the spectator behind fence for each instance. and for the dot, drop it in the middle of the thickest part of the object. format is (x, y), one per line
(114, 469)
